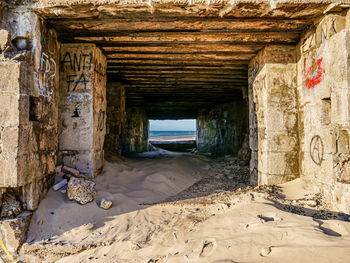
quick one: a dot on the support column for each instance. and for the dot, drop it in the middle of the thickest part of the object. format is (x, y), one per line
(272, 84)
(82, 107)
(135, 136)
(28, 119)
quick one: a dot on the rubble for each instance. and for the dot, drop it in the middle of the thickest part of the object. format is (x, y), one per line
(81, 190)
(10, 206)
(71, 171)
(105, 204)
(60, 184)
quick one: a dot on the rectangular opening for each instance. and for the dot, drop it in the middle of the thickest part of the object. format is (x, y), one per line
(34, 108)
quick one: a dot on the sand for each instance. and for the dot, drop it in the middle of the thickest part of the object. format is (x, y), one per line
(174, 138)
(238, 226)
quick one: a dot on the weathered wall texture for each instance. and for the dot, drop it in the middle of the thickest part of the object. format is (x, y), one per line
(82, 107)
(29, 112)
(135, 135)
(323, 89)
(221, 129)
(116, 117)
(273, 90)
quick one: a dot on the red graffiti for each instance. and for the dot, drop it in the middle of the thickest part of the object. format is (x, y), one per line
(314, 74)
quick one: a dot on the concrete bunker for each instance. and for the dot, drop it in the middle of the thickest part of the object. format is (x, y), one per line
(81, 78)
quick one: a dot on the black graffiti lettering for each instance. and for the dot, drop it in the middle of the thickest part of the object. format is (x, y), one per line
(70, 79)
(81, 79)
(67, 55)
(76, 62)
(316, 149)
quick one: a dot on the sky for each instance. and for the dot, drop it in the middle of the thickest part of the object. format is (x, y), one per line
(172, 125)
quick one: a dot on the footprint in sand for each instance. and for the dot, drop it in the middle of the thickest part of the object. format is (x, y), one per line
(205, 249)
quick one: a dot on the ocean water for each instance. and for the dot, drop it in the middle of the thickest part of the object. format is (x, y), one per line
(165, 134)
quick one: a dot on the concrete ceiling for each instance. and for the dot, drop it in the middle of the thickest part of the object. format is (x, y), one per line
(176, 57)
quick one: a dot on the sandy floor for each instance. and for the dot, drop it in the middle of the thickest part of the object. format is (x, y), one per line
(174, 139)
(204, 221)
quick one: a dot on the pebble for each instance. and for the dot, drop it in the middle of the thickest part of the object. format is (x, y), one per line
(105, 204)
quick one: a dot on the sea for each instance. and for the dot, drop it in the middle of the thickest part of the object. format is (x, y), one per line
(170, 134)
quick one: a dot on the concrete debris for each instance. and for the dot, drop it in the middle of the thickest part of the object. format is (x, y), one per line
(60, 184)
(10, 206)
(71, 171)
(105, 204)
(81, 190)
(13, 231)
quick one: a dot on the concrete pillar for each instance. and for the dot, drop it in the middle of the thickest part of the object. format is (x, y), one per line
(116, 117)
(135, 136)
(82, 107)
(221, 129)
(324, 94)
(272, 84)
(28, 119)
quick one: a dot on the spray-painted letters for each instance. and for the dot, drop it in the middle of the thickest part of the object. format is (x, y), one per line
(44, 79)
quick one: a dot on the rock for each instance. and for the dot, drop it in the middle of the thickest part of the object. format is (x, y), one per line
(63, 190)
(311, 203)
(71, 171)
(10, 206)
(13, 231)
(265, 251)
(81, 190)
(58, 169)
(105, 204)
(4, 39)
(60, 184)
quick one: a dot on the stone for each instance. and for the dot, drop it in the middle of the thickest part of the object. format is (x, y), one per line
(4, 39)
(81, 190)
(13, 231)
(105, 204)
(70, 170)
(60, 184)
(10, 206)
(265, 251)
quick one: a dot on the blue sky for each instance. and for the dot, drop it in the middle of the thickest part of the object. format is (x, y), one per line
(172, 125)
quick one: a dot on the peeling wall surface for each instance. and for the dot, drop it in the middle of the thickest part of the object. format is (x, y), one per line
(82, 107)
(221, 130)
(323, 89)
(116, 117)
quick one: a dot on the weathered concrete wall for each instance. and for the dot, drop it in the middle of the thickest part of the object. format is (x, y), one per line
(29, 112)
(82, 107)
(324, 92)
(116, 117)
(221, 130)
(135, 135)
(272, 84)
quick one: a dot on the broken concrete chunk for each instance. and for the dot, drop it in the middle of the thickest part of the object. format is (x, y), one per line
(13, 231)
(10, 206)
(60, 184)
(105, 204)
(71, 171)
(4, 39)
(81, 190)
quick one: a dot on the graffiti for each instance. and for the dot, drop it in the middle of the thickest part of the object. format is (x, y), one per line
(101, 120)
(316, 149)
(76, 64)
(76, 113)
(44, 78)
(79, 97)
(99, 71)
(314, 73)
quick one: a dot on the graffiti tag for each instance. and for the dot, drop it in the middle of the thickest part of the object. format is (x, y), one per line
(316, 149)
(314, 74)
(45, 77)
(79, 97)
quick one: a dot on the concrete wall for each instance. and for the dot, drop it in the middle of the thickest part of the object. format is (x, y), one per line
(116, 117)
(135, 135)
(273, 97)
(82, 107)
(29, 112)
(221, 129)
(324, 92)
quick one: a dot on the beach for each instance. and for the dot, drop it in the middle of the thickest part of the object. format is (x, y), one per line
(178, 208)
